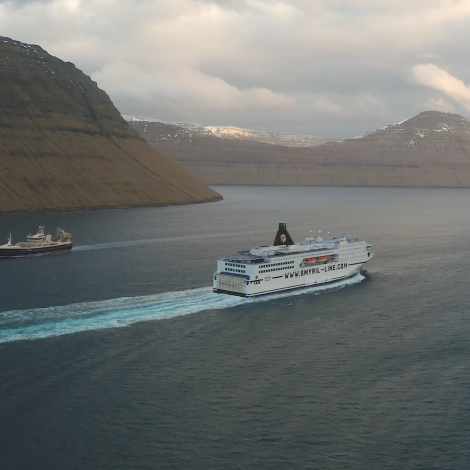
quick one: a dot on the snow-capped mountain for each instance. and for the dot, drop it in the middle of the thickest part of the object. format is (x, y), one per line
(274, 138)
(196, 128)
(425, 128)
(229, 132)
(431, 149)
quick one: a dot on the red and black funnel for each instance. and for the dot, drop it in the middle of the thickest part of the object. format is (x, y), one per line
(282, 236)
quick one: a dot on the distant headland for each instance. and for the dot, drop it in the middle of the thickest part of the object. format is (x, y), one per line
(431, 149)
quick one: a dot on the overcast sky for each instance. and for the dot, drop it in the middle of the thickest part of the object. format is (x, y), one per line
(334, 68)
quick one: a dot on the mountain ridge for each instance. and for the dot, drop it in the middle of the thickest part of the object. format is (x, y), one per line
(431, 149)
(238, 133)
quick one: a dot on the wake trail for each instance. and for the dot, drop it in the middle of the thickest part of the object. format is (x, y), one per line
(149, 241)
(37, 323)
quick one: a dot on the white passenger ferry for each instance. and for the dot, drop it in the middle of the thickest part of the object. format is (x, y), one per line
(286, 265)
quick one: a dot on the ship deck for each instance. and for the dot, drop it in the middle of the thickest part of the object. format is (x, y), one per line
(244, 257)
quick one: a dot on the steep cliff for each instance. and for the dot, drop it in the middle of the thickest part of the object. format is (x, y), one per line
(63, 144)
(431, 149)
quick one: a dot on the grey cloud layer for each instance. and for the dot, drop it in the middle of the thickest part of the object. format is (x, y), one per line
(332, 67)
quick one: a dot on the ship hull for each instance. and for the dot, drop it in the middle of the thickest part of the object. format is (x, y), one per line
(284, 289)
(14, 252)
(290, 281)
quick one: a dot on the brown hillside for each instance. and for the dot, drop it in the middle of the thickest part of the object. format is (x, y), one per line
(431, 149)
(63, 144)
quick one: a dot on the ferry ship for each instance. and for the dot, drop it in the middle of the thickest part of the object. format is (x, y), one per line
(38, 244)
(286, 265)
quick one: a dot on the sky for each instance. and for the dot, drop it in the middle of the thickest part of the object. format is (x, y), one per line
(331, 68)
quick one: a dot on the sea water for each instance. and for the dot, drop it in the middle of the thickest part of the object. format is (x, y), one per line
(118, 355)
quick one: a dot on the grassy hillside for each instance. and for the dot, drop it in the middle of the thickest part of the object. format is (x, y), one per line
(63, 144)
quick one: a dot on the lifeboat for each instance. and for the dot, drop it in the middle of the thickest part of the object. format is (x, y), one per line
(317, 259)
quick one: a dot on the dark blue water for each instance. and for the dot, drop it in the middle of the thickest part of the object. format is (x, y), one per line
(118, 356)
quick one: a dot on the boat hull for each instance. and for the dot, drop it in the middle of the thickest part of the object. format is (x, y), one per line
(14, 252)
(299, 279)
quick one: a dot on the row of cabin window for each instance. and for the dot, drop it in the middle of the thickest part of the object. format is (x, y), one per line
(275, 269)
(276, 264)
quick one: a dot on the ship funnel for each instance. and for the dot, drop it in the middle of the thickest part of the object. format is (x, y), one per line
(282, 236)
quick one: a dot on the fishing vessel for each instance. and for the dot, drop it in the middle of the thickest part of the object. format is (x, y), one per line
(286, 265)
(38, 244)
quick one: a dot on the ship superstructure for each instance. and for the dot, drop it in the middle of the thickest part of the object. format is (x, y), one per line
(286, 265)
(38, 244)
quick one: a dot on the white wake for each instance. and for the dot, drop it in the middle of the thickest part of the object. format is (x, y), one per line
(17, 325)
(150, 241)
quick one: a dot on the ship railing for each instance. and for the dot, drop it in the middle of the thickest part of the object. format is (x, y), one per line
(243, 258)
(63, 236)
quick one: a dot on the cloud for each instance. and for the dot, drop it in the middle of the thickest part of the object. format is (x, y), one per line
(332, 67)
(22, 3)
(439, 104)
(428, 56)
(432, 76)
(195, 89)
(326, 106)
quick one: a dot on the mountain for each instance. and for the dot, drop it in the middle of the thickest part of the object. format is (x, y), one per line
(63, 144)
(196, 128)
(229, 132)
(431, 149)
(274, 138)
